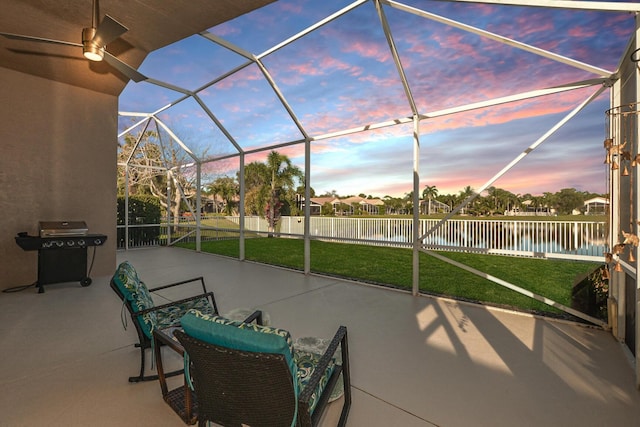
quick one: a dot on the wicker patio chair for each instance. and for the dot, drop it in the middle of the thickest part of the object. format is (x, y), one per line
(253, 376)
(146, 315)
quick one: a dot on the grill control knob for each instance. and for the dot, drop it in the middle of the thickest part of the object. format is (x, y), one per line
(70, 242)
(59, 243)
(81, 242)
(97, 242)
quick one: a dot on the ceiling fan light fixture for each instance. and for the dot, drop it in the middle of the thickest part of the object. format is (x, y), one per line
(93, 54)
(90, 50)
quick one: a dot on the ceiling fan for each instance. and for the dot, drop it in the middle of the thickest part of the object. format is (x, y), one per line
(94, 42)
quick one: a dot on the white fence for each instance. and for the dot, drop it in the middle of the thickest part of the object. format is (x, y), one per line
(513, 237)
(561, 239)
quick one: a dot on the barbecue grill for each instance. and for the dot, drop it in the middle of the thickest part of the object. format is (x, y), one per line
(63, 228)
(62, 251)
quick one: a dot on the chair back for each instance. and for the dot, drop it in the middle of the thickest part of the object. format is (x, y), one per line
(136, 297)
(235, 387)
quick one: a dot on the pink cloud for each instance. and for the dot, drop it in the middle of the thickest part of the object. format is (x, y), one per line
(537, 107)
(455, 45)
(290, 8)
(616, 23)
(305, 69)
(226, 29)
(233, 108)
(226, 167)
(332, 63)
(240, 79)
(529, 24)
(368, 49)
(378, 81)
(581, 32)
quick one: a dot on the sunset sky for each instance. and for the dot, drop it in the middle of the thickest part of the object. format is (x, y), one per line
(342, 75)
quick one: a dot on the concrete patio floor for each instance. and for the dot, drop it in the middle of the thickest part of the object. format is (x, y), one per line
(415, 361)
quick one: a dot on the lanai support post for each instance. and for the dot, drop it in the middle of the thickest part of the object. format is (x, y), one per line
(198, 206)
(169, 219)
(416, 206)
(416, 143)
(126, 207)
(307, 206)
(241, 208)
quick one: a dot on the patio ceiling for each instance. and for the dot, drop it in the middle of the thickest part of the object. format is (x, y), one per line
(151, 25)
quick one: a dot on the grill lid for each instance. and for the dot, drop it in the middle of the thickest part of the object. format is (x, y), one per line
(63, 228)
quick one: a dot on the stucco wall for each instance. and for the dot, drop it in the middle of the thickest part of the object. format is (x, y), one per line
(58, 162)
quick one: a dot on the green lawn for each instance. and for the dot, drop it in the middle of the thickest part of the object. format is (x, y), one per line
(392, 267)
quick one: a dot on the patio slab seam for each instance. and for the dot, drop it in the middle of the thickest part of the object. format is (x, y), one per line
(386, 402)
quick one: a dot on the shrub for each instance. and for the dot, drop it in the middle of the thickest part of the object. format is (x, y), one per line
(143, 209)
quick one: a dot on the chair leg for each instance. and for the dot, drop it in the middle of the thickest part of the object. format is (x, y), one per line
(346, 378)
(142, 377)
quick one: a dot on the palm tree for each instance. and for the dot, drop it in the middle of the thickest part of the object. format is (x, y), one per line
(408, 202)
(227, 188)
(255, 181)
(503, 200)
(430, 192)
(466, 193)
(448, 199)
(282, 175)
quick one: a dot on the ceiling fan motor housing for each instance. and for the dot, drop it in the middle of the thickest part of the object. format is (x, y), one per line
(90, 49)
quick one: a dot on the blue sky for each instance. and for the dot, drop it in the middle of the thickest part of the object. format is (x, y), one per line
(342, 76)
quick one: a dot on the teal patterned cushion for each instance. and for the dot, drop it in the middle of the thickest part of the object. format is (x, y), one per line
(141, 301)
(126, 279)
(170, 316)
(306, 364)
(134, 290)
(239, 336)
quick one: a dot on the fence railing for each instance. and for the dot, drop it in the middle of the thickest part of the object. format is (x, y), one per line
(577, 239)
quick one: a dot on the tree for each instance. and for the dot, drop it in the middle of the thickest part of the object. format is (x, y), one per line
(356, 208)
(407, 202)
(146, 156)
(430, 192)
(255, 180)
(448, 199)
(228, 189)
(300, 190)
(568, 199)
(271, 188)
(149, 157)
(502, 200)
(483, 206)
(327, 209)
(282, 179)
(393, 205)
(464, 195)
(343, 208)
(549, 200)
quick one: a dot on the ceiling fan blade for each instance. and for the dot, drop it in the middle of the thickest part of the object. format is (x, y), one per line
(125, 69)
(108, 30)
(38, 39)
